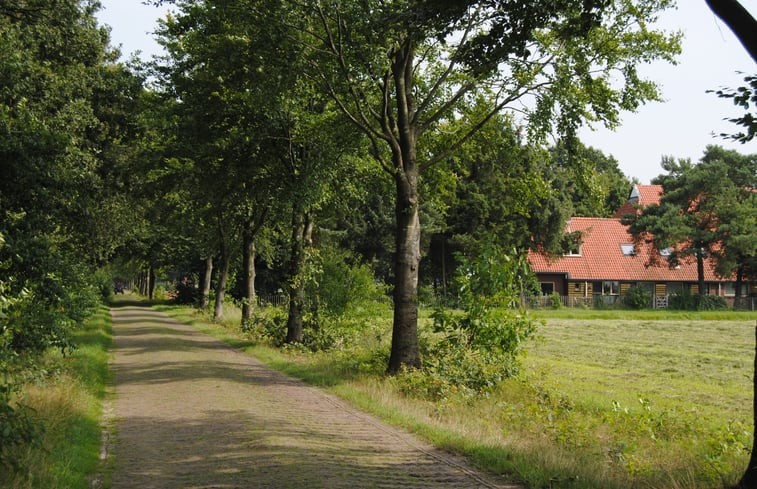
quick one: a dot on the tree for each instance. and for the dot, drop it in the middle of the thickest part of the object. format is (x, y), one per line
(406, 69)
(66, 122)
(592, 180)
(500, 190)
(706, 210)
(220, 69)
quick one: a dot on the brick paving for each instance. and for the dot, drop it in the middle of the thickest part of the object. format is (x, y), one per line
(192, 413)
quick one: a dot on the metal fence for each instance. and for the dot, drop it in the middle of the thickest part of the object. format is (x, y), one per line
(602, 301)
(542, 302)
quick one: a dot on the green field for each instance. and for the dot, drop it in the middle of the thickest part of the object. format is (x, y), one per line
(703, 366)
(668, 401)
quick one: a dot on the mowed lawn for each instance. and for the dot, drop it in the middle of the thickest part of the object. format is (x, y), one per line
(699, 366)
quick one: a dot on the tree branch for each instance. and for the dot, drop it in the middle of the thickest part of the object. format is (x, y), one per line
(740, 22)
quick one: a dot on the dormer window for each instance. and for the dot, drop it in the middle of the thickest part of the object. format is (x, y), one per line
(666, 252)
(628, 249)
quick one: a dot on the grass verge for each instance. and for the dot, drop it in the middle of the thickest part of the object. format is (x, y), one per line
(67, 406)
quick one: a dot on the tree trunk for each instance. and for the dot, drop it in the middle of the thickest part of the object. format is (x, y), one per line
(739, 281)
(151, 282)
(248, 269)
(302, 229)
(408, 233)
(700, 272)
(739, 20)
(749, 479)
(407, 258)
(206, 278)
(223, 277)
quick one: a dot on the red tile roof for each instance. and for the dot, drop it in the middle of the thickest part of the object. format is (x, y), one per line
(640, 195)
(602, 257)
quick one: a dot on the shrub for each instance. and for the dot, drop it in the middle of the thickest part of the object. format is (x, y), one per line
(342, 282)
(268, 324)
(638, 297)
(103, 280)
(185, 292)
(686, 302)
(710, 303)
(682, 301)
(555, 301)
(479, 348)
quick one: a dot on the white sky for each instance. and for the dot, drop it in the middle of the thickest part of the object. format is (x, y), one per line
(682, 126)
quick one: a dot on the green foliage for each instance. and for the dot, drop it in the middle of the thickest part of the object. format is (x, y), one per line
(268, 324)
(685, 301)
(344, 283)
(103, 281)
(706, 211)
(478, 348)
(555, 301)
(184, 292)
(591, 180)
(638, 297)
(710, 303)
(744, 97)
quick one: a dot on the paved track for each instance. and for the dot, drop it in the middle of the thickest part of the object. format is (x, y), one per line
(189, 412)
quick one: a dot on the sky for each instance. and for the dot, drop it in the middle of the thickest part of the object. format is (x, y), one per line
(682, 126)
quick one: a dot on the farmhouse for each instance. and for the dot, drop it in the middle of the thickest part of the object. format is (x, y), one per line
(606, 263)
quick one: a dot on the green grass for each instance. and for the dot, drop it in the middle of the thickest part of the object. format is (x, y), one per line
(608, 399)
(67, 404)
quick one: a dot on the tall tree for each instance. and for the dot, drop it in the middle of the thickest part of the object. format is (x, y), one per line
(590, 179)
(66, 113)
(219, 67)
(702, 212)
(406, 68)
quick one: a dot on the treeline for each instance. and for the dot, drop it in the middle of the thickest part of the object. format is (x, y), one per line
(66, 130)
(391, 136)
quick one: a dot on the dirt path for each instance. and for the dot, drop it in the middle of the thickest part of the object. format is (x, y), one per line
(190, 412)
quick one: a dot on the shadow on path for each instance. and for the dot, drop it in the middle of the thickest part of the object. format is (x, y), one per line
(190, 412)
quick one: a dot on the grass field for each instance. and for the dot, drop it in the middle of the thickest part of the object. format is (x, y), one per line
(608, 399)
(702, 366)
(667, 400)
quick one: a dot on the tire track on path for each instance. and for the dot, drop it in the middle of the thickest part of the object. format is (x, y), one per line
(190, 412)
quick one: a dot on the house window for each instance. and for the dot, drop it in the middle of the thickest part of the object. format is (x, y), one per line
(574, 250)
(627, 249)
(610, 287)
(547, 287)
(729, 288)
(676, 288)
(665, 252)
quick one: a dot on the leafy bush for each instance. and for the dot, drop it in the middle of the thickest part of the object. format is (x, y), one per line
(268, 324)
(342, 282)
(638, 297)
(555, 300)
(682, 301)
(685, 301)
(478, 348)
(184, 292)
(710, 303)
(103, 280)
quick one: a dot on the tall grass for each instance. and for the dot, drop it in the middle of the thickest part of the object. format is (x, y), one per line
(67, 406)
(610, 399)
